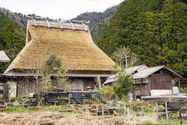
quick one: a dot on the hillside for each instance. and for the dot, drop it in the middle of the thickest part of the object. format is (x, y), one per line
(97, 20)
(154, 30)
(18, 18)
(12, 37)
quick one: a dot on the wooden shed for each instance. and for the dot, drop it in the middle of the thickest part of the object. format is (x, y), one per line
(72, 42)
(149, 78)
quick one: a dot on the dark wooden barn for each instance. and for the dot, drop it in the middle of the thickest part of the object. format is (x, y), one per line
(149, 78)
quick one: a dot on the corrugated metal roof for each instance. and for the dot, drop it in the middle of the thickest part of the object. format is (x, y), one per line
(129, 71)
(148, 71)
(142, 71)
(3, 57)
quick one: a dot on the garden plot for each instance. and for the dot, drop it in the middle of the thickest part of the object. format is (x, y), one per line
(50, 118)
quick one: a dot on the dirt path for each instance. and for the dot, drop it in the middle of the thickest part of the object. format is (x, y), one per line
(50, 118)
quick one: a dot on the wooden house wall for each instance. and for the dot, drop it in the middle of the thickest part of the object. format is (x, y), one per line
(141, 90)
(160, 81)
(76, 84)
(25, 86)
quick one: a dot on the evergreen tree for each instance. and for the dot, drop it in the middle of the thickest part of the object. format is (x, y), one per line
(12, 39)
(154, 29)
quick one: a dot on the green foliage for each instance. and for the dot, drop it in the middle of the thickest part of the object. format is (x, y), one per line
(123, 84)
(181, 90)
(155, 30)
(97, 20)
(108, 93)
(160, 106)
(147, 122)
(12, 39)
(149, 110)
(52, 64)
(16, 109)
(169, 122)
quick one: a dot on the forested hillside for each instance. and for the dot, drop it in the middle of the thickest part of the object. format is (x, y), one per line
(18, 18)
(97, 20)
(156, 30)
(12, 38)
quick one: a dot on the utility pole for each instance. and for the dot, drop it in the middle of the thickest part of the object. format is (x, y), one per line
(126, 60)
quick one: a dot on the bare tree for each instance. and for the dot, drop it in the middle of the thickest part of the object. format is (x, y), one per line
(40, 67)
(124, 54)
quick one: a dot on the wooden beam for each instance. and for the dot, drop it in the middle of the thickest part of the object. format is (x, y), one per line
(60, 23)
(84, 27)
(48, 22)
(72, 25)
(34, 21)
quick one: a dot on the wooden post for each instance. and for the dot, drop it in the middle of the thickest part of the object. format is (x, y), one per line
(134, 119)
(124, 109)
(128, 114)
(5, 105)
(166, 111)
(23, 103)
(69, 99)
(102, 110)
(179, 83)
(88, 112)
(96, 110)
(157, 111)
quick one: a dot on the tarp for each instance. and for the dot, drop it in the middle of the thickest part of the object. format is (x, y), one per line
(77, 96)
(52, 96)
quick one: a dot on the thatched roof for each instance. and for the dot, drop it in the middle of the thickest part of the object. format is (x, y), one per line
(75, 47)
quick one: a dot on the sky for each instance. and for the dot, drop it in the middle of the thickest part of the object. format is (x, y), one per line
(64, 9)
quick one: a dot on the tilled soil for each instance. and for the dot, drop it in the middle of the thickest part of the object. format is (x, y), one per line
(51, 118)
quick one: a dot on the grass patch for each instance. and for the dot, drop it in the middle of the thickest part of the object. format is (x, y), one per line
(16, 109)
(171, 122)
(147, 122)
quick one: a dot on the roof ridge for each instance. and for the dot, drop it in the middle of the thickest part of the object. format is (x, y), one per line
(157, 66)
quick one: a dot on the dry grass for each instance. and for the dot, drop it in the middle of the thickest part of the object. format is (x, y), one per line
(50, 118)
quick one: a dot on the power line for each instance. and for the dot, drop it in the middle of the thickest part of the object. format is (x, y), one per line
(143, 31)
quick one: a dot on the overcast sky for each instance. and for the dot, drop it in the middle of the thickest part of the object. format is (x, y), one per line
(65, 9)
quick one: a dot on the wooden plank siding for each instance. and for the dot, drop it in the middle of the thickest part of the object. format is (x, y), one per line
(142, 89)
(160, 81)
(88, 82)
(25, 86)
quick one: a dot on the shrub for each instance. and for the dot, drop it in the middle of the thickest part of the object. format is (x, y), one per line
(108, 93)
(123, 84)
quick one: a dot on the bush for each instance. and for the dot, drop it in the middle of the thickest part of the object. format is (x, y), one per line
(123, 84)
(108, 93)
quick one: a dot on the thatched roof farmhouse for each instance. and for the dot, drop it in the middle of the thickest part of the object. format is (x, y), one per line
(71, 41)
